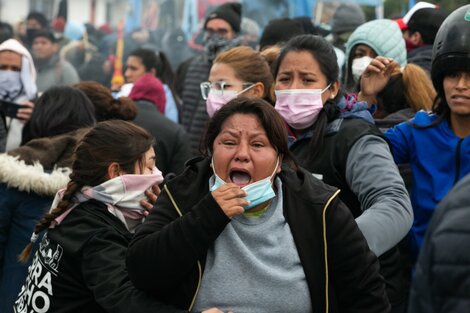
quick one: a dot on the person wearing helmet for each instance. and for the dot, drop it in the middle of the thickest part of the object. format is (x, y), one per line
(442, 279)
(436, 144)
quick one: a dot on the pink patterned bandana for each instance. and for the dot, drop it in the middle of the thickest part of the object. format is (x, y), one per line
(122, 193)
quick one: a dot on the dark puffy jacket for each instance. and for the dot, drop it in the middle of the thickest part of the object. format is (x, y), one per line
(421, 56)
(194, 114)
(442, 281)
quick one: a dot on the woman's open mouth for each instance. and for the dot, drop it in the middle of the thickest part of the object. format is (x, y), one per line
(240, 177)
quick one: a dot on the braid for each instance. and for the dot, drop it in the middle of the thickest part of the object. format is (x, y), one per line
(100, 146)
(45, 222)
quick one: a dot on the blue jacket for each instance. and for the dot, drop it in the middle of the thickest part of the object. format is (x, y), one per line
(438, 159)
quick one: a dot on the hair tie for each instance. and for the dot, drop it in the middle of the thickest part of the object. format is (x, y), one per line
(34, 237)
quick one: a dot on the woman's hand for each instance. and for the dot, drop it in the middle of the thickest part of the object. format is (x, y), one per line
(24, 114)
(152, 195)
(229, 198)
(214, 310)
(376, 77)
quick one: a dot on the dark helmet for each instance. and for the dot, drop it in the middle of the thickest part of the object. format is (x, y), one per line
(451, 50)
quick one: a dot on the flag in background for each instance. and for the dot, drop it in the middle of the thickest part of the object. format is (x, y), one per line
(118, 78)
(134, 15)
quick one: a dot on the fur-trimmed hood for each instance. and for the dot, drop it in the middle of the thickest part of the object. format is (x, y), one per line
(32, 178)
(42, 165)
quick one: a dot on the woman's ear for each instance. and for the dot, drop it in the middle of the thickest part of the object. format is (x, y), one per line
(114, 170)
(334, 89)
(257, 90)
(279, 167)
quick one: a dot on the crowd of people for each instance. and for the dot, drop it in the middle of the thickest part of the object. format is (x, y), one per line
(312, 170)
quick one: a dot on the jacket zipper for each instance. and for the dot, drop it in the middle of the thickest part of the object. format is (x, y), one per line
(199, 267)
(325, 248)
(457, 162)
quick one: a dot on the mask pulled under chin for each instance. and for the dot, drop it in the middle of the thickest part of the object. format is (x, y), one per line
(257, 192)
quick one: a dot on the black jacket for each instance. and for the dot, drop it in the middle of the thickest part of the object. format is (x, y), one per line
(186, 221)
(442, 279)
(172, 145)
(421, 56)
(80, 267)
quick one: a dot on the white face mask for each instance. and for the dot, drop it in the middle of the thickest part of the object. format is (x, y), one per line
(10, 85)
(359, 66)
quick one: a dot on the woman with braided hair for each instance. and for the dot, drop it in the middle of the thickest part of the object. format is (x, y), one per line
(80, 264)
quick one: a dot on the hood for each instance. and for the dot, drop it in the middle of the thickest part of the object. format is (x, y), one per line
(28, 71)
(42, 165)
(32, 178)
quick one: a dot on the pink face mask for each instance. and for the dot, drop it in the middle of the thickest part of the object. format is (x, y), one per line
(218, 98)
(299, 107)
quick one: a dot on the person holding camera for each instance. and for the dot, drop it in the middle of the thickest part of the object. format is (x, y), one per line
(17, 85)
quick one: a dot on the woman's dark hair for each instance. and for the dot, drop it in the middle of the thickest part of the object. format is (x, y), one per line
(60, 110)
(268, 117)
(164, 70)
(166, 74)
(147, 57)
(323, 52)
(110, 141)
(440, 107)
(106, 107)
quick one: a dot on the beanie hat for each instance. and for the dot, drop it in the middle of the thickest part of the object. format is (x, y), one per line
(347, 18)
(45, 33)
(230, 12)
(427, 22)
(280, 30)
(383, 36)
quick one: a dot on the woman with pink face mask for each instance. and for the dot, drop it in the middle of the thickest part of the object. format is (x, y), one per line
(348, 152)
(238, 71)
(80, 263)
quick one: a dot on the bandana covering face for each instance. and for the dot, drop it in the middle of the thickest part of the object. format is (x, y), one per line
(214, 44)
(121, 195)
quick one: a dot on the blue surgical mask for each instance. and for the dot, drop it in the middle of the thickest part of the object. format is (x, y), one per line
(257, 192)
